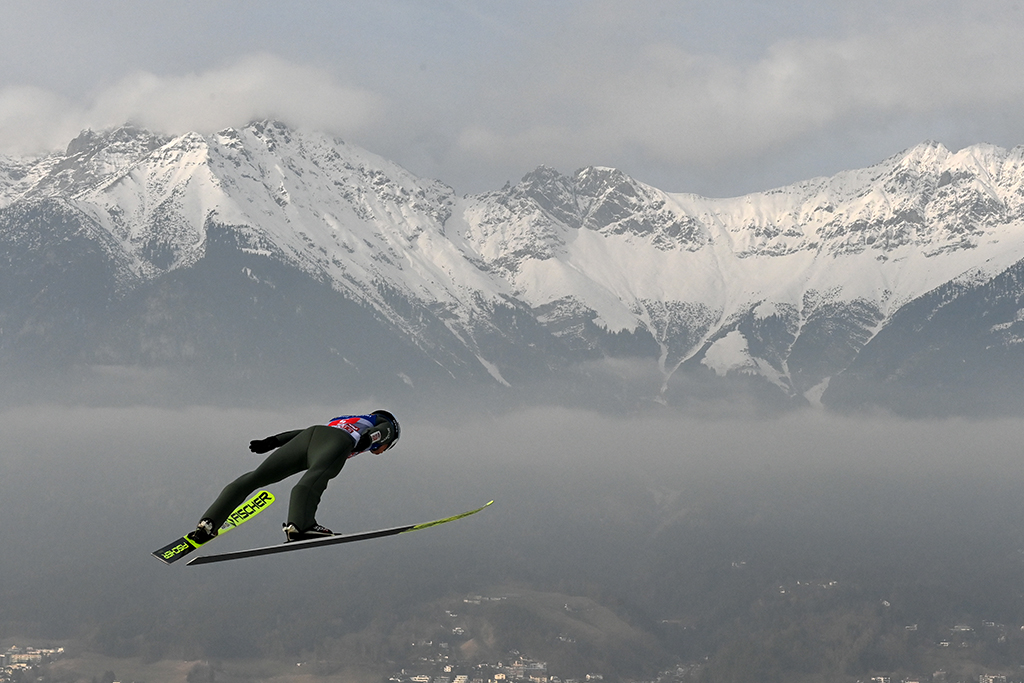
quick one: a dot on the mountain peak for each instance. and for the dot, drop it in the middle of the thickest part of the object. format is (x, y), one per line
(788, 284)
(271, 132)
(127, 138)
(928, 153)
(92, 157)
(598, 179)
(553, 192)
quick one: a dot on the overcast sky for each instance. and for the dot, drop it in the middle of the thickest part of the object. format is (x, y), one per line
(719, 98)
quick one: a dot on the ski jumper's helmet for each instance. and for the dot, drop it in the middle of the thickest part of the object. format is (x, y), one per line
(393, 439)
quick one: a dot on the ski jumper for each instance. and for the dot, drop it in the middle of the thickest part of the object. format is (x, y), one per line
(320, 450)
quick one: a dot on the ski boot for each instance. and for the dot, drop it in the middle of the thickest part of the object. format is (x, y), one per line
(204, 532)
(316, 531)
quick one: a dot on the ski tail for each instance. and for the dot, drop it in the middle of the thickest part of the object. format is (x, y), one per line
(329, 540)
(174, 551)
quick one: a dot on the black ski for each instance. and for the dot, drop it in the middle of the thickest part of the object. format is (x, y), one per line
(328, 540)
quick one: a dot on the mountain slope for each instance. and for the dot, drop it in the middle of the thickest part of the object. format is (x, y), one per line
(788, 285)
(586, 285)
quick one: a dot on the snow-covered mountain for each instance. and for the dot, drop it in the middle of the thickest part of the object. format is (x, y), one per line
(293, 254)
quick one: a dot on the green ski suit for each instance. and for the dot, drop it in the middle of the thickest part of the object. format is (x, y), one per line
(320, 450)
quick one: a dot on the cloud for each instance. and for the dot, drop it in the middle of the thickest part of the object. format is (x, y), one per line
(728, 99)
(668, 105)
(33, 119)
(253, 87)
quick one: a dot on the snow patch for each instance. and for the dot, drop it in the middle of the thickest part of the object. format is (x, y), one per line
(814, 394)
(729, 354)
(492, 369)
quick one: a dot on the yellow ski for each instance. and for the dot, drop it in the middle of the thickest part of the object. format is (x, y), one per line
(172, 552)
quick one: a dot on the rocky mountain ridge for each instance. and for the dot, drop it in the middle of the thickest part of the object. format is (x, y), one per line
(592, 280)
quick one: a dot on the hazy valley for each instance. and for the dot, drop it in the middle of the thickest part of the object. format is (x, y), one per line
(684, 408)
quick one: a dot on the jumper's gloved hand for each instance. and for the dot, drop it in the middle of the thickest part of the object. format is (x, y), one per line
(263, 445)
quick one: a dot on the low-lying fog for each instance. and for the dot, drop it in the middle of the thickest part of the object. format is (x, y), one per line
(653, 512)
